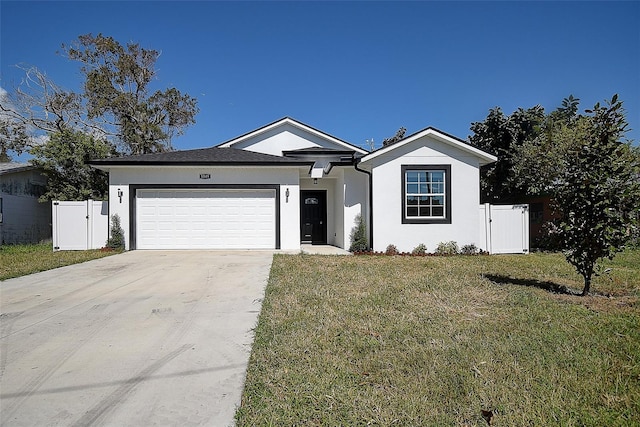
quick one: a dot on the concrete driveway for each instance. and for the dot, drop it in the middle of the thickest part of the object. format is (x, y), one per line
(142, 338)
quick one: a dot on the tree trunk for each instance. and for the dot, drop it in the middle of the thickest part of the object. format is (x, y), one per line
(587, 285)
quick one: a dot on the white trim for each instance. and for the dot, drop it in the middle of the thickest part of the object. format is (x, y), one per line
(294, 123)
(317, 171)
(483, 156)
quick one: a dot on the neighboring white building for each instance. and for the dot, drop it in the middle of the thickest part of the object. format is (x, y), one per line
(22, 218)
(287, 183)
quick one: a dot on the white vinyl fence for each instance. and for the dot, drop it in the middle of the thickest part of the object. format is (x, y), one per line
(504, 229)
(80, 225)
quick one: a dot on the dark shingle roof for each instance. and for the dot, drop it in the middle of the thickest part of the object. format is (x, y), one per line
(201, 157)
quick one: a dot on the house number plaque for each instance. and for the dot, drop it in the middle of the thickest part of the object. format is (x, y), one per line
(205, 176)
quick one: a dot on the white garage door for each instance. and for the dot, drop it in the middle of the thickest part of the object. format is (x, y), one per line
(205, 219)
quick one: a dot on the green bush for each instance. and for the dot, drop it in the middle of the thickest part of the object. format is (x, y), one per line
(391, 250)
(421, 249)
(470, 249)
(116, 240)
(447, 248)
(358, 236)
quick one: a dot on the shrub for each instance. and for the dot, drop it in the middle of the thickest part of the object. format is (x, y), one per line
(549, 238)
(447, 248)
(116, 240)
(421, 249)
(358, 236)
(470, 249)
(391, 250)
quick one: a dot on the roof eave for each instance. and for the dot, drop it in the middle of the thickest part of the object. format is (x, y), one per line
(316, 153)
(19, 169)
(196, 163)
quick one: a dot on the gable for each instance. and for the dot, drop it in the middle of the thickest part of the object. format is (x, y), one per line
(425, 150)
(288, 135)
(431, 142)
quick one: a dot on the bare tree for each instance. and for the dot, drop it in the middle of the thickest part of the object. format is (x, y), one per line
(40, 103)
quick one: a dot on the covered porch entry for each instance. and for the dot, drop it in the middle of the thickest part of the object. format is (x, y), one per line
(329, 205)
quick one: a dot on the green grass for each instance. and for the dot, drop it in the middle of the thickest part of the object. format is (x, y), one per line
(20, 260)
(376, 340)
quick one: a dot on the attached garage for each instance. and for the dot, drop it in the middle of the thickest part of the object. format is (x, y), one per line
(205, 218)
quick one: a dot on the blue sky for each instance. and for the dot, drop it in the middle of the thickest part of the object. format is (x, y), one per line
(356, 70)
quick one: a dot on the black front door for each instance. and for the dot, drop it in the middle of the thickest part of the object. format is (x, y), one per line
(313, 217)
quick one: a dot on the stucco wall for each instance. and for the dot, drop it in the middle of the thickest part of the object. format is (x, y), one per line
(287, 178)
(356, 201)
(339, 209)
(387, 195)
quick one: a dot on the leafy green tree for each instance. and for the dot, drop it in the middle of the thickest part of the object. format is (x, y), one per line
(117, 107)
(395, 138)
(117, 101)
(537, 160)
(569, 109)
(63, 159)
(117, 91)
(598, 190)
(593, 177)
(581, 161)
(501, 135)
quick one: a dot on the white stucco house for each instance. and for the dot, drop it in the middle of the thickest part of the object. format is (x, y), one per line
(288, 183)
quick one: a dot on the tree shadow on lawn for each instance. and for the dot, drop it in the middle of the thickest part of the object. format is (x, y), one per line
(546, 285)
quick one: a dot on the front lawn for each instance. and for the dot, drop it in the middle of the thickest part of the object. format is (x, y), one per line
(20, 260)
(454, 341)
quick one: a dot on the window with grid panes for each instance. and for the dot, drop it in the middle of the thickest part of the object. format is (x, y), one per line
(426, 193)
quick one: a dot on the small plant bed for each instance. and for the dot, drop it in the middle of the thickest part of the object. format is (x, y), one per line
(426, 341)
(443, 249)
(410, 254)
(20, 260)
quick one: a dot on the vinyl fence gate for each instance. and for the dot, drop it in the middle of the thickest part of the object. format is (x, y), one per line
(504, 229)
(80, 225)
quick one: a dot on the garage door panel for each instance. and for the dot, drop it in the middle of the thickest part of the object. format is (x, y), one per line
(205, 219)
(146, 210)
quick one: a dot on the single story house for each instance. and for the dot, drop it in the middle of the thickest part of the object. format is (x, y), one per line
(288, 183)
(22, 218)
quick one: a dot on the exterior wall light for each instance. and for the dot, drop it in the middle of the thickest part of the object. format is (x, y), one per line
(120, 194)
(286, 193)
